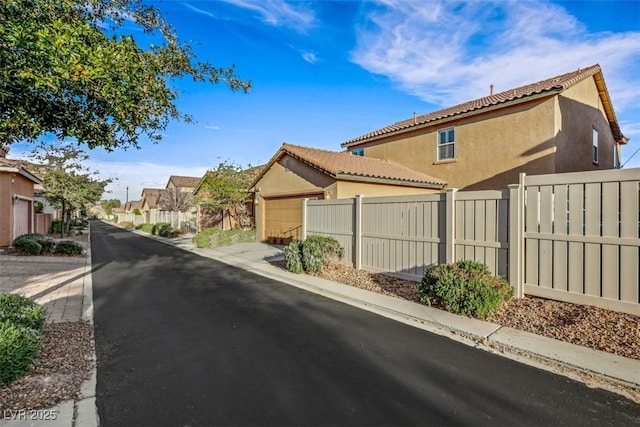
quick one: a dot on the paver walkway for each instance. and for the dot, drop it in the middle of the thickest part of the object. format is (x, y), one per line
(57, 283)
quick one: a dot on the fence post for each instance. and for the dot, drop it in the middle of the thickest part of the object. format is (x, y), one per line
(303, 235)
(358, 233)
(450, 226)
(516, 236)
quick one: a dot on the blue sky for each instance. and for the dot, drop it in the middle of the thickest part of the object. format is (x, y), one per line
(324, 72)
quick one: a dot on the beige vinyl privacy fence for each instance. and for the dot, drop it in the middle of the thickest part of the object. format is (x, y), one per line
(571, 237)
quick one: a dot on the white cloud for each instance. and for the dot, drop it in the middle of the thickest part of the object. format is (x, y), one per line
(310, 57)
(449, 52)
(200, 11)
(212, 127)
(279, 13)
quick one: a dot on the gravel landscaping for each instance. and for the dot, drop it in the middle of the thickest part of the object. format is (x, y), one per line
(588, 326)
(65, 361)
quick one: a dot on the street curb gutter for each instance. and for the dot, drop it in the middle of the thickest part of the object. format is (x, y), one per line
(85, 409)
(472, 332)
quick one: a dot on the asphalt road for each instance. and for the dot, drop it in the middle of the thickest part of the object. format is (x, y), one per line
(184, 341)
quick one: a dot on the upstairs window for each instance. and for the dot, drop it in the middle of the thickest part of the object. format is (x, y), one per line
(358, 152)
(446, 144)
(595, 146)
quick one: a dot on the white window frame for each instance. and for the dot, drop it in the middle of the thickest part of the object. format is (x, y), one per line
(594, 150)
(446, 132)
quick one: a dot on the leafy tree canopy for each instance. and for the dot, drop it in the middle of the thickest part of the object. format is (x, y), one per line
(224, 185)
(108, 205)
(226, 188)
(67, 69)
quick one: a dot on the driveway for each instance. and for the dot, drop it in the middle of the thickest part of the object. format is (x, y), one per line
(185, 340)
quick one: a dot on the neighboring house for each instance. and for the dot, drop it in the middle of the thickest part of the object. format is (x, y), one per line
(150, 197)
(295, 173)
(16, 199)
(133, 212)
(563, 124)
(184, 183)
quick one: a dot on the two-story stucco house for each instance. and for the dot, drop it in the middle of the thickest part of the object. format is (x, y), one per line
(562, 124)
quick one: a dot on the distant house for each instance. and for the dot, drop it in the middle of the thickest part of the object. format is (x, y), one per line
(295, 173)
(562, 124)
(16, 199)
(184, 183)
(150, 197)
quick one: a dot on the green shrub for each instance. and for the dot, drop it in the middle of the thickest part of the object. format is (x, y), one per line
(169, 232)
(147, 228)
(47, 243)
(127, 224)
(68, 247)
(18, 347)
(159, 226)
(313, 254)
(332, 251)
(293, 257)
(56, 226)
(312, 257)
(21, 311)
(27, 246)
(466, 287)
(203, 238)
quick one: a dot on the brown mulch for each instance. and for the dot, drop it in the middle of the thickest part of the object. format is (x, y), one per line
(587, 326)
(65, 361)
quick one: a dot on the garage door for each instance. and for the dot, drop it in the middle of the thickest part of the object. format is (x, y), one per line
(283, 217)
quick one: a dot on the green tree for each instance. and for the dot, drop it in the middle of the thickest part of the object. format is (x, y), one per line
(67, 68)
(108, 205)
(67, 183)
(225, 188)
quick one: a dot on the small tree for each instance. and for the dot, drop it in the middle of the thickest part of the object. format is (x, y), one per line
(67, 183)
(108, 205)
(225, 188)
(175, 200)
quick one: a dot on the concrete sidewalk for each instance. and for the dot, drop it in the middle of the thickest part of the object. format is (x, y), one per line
(567, 359)
(63, 286)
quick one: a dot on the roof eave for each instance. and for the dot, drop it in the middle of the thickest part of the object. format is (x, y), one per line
(389, 181)
(608, 109)
(547, 93)
(22, 172)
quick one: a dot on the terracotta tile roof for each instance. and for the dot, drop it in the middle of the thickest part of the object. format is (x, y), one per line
(549, 86)
(343, 165)
(134, 204)
(21, 167)
(184, 181)
(151, 196)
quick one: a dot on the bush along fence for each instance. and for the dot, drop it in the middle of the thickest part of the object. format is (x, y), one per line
(570, 237)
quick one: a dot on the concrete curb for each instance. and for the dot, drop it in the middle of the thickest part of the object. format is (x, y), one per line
(85, 409)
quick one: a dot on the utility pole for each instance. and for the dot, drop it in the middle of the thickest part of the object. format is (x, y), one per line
(127, 201)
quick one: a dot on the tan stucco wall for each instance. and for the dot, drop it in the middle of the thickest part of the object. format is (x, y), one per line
(21, 186)
(581, 111)
(295, 178)
(491, 148)
(349, 189)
